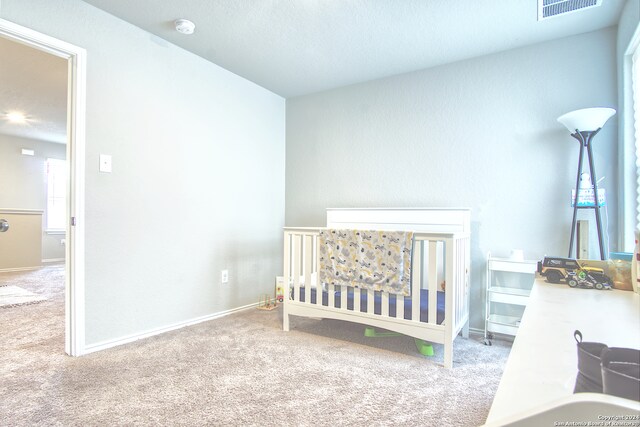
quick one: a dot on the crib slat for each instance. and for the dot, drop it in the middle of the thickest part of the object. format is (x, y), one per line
(459, 282)
(331, 293)
(296, 266)
(433, 280)
(449, 319)
(314, 243)
(316, 267)
(416, 281)
(287, 265)
(384, 304)
(460, 278)
(371, 298)
(307, 269)
(319, 292)
(400, 306)
(466, 273)
(466, 284)
(344, 290)
(356, 299)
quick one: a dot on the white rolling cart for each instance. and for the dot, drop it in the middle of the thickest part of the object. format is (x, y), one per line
(509, 291)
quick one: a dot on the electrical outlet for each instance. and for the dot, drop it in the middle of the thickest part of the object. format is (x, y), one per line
(105, 163)
(224, 276)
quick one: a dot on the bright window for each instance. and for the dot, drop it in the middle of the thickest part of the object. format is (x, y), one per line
(635, 79)
(56, 194)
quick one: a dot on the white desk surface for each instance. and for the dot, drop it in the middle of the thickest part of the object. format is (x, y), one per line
(542, 365)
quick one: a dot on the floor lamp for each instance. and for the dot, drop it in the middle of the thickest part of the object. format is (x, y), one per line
(584, 125)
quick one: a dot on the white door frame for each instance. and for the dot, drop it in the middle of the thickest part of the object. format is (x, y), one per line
(76, 120)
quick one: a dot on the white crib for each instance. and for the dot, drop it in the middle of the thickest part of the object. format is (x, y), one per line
(440, 255)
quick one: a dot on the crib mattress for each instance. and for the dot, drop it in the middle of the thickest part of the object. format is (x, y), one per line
(424, 303)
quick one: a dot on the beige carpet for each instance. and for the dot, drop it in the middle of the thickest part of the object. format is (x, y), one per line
(235, 371)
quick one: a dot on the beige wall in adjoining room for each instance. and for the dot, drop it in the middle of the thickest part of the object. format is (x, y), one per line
(21, 244)
(23, 184)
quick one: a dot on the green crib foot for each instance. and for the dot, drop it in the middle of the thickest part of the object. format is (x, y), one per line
(424, 348)
(372, 333)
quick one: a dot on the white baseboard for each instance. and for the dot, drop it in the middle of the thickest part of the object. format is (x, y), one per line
(8, 270)
(50, 260)
(92, 348)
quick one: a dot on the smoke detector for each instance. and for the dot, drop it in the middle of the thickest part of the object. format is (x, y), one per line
(551, 8)
(185, 26)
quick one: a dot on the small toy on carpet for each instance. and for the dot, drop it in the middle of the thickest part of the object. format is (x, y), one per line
(266, 302)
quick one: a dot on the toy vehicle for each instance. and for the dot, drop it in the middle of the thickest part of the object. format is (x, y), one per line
(583, 278)
(557, 269)
(279, 289)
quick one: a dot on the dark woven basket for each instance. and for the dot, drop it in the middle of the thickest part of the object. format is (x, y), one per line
(589, 379)
(621, 372)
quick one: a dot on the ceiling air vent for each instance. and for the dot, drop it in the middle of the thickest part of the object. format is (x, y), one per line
(551, 8)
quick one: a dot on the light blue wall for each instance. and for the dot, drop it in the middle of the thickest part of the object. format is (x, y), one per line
(198, 175)
(198, 182)
(480, 133)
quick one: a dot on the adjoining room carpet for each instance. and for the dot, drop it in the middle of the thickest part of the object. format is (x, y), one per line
(13, 296)
(239, 370)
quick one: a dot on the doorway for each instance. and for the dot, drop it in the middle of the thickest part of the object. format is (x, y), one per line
(73, 216)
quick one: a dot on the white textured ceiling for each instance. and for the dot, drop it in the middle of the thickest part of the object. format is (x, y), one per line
(33, 83)
(296, 47)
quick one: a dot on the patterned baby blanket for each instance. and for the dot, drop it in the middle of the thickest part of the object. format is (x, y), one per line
(367, 259)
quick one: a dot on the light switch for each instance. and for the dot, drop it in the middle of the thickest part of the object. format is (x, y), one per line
(105, 163)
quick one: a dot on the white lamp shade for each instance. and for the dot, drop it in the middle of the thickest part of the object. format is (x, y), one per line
(587, 119)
